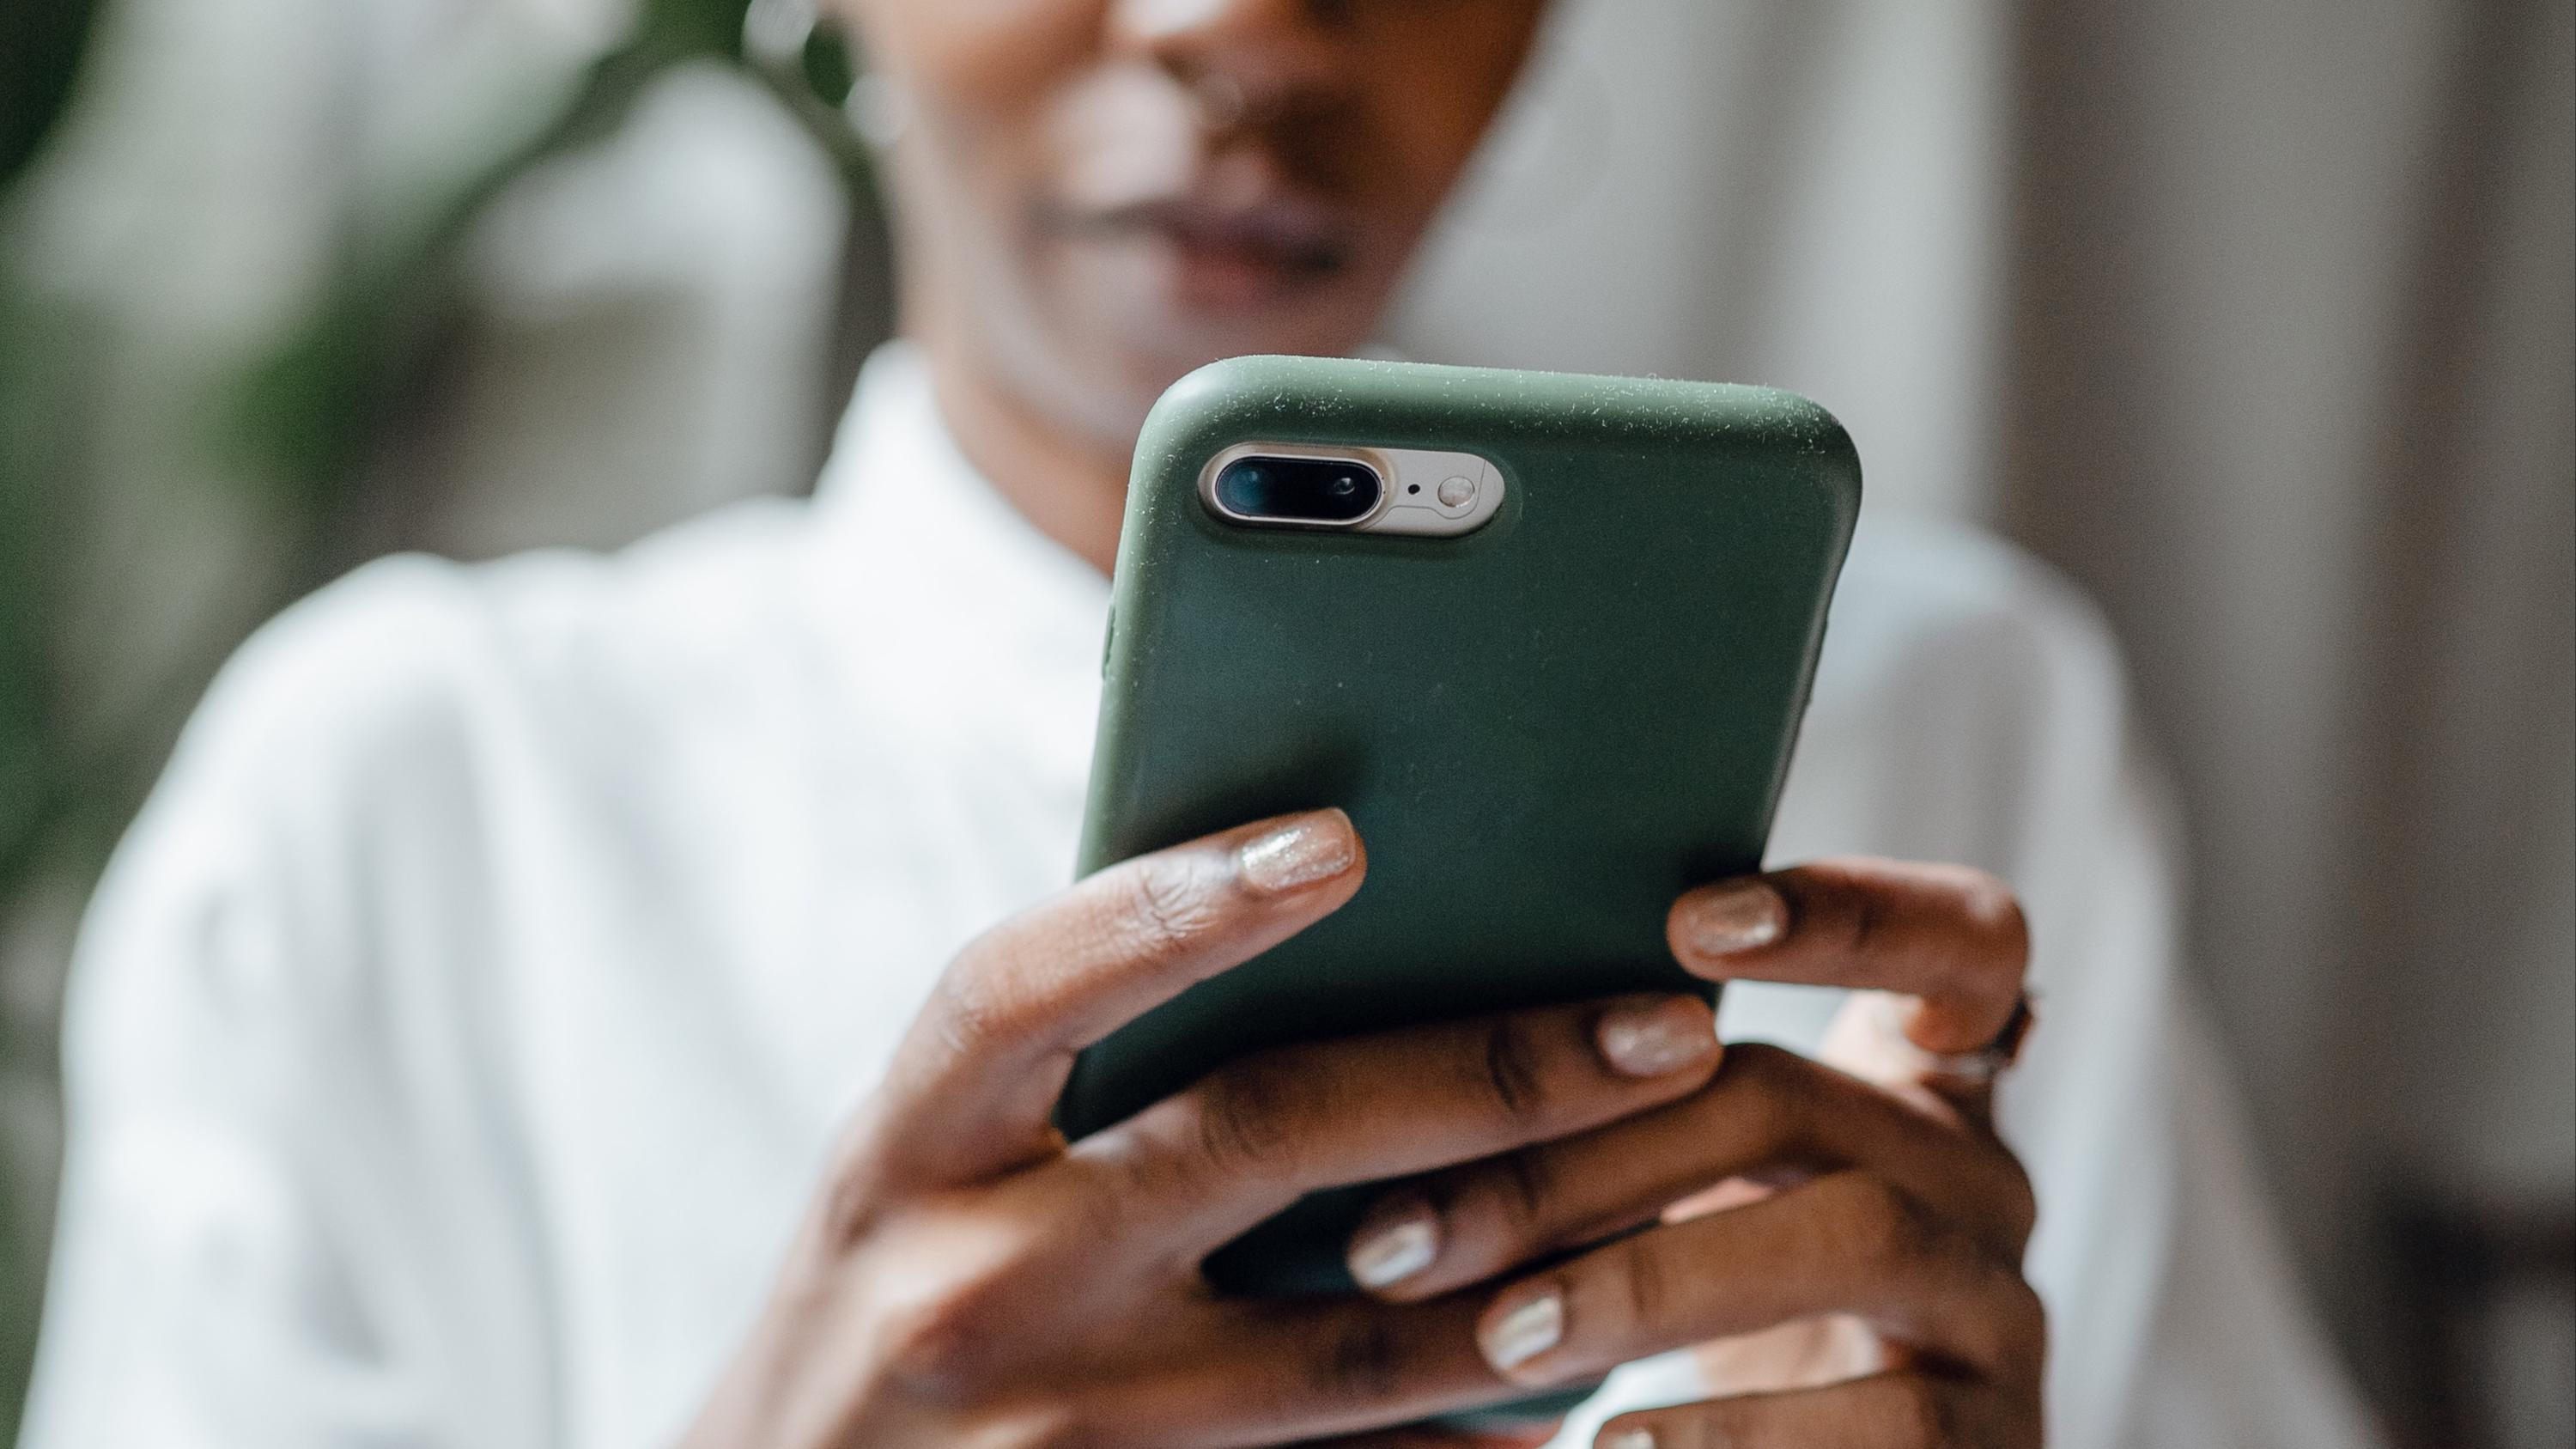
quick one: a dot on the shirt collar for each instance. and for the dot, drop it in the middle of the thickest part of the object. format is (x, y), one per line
(898, 483)
(952, 610)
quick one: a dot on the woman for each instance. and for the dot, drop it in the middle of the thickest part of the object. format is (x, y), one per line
(518, 963)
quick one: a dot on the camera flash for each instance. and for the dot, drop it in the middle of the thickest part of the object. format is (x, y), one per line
(1457, 492)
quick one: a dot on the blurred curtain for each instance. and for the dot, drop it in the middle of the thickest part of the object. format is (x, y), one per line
(2294, 358)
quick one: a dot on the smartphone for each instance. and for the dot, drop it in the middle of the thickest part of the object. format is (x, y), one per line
(1546, 638)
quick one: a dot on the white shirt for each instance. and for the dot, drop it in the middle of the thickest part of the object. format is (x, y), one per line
(456, 1039)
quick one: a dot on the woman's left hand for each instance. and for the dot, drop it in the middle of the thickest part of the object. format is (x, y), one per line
(1844, 1239)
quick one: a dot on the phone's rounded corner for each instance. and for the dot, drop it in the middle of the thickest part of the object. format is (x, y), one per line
(1805, 430)
(1837, 463)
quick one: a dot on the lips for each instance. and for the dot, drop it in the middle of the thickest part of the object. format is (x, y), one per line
(1228, 253)
(1289, 235)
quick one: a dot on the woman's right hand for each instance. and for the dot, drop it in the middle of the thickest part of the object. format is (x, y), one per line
(967, 1277)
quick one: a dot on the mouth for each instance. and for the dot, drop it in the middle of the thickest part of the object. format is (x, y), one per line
(1227, 256)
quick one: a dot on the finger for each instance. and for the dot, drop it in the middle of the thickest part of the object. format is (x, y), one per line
(1767, 1114)
(1314, 1369)
(974, 1082)
(1884, 1411)
(1321, 1369)
(1952, 936)
(1255, 1136)
(1440, 1439)
(1848, 1243)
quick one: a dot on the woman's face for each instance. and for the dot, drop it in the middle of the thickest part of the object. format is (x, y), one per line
(1096, 196)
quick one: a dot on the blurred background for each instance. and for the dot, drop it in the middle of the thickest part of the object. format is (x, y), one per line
(2257, 319)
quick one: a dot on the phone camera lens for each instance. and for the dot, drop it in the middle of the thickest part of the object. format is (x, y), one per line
(1297, 490)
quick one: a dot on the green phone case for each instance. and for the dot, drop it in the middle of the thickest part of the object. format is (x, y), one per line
(1544, 730)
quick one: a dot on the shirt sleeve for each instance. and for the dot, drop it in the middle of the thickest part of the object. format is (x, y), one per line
(2175, 1321)
(1979, 715)
(265, 1238)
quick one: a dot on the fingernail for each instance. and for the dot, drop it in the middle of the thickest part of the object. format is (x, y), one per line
(1306, 851)
(1740, 916)
(1530, 1329)
(1649, 1039)
(1627, 1439)
(1389, 1252)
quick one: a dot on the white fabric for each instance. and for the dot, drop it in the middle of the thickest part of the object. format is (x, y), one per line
(457, 1037)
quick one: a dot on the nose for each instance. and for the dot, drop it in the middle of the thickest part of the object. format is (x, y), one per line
(1244, 60)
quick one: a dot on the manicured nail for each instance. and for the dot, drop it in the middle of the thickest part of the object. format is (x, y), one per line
(1739, 916)
(1530, 1329)
(1391, 1251)
(1648, 1039)
(1307, 851)
(1627, 1439)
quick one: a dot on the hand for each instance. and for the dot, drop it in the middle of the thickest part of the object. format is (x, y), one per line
(1852, 1240)
(966, 1277)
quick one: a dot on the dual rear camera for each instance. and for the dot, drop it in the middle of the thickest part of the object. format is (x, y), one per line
(1298, 490)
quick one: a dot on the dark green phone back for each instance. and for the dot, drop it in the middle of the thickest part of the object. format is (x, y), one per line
(1544, 730)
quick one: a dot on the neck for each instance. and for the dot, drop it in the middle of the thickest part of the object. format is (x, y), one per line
(1069, 483)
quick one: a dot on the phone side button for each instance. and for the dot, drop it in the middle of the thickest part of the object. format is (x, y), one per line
(1108, 637)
